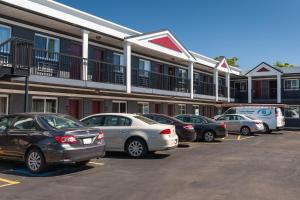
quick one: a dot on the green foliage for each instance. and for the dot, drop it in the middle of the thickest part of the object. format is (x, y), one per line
(280, 64)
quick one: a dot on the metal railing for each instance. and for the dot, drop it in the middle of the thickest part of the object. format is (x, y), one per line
(148, 79)
(204, 88)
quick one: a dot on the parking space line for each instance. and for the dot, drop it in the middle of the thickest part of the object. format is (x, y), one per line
(239, 137)
(96, 163)
(244, 138)
(8, 182)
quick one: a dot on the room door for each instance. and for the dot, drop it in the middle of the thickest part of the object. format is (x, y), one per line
(75, 62)
(74, 108)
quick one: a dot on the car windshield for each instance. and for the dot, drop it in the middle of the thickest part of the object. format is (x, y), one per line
(145, 119)
(61, 122)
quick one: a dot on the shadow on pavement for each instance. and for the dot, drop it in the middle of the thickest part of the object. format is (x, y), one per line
(20, 169)
(122, 155)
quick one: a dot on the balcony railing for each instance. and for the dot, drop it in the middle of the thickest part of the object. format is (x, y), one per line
(148, 79)
(239, 95)
(204, 88)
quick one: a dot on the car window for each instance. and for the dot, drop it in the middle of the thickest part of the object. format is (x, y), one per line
(116, 121)
(94, 121)
(25, 123)
(5, 122)
(163, 120)
(145, 119)
(222, 118)
(197, 120)
(185, 119)
(231, 111)
(61, 122)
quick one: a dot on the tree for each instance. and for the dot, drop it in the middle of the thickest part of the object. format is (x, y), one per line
(280, 64)
(231, 61)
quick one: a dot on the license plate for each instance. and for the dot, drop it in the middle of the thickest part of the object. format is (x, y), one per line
(87, 141)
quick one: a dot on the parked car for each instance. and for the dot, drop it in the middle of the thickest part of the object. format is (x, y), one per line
(134, 134)
(185, 131)
(242, 124)
(207, 129)
(271, 116)
(44, 139)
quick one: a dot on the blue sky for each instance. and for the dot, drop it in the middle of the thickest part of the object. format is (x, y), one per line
(252, 30)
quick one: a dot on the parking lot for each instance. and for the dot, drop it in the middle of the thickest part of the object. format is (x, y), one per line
(236, 167)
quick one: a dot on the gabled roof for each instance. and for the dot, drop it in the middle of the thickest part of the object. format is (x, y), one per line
(163, 41)
(223, 65)
(264, 69)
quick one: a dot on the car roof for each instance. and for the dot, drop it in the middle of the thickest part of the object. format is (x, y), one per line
(34, 114)
(116, 114)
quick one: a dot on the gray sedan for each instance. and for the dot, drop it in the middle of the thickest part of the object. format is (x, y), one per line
(241, 124)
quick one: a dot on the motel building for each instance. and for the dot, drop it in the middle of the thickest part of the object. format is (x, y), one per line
(54, 58)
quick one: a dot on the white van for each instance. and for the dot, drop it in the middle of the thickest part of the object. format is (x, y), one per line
(272, 117)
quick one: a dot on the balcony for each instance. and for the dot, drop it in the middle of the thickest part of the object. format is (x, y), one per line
(223, 91)
(240, 96)
(159, 81)
(204, 88)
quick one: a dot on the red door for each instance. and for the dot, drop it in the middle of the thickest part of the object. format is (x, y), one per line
(157, 110)
(74, 108)
(97, 65)
(96, 107)
(170, 109)
(257, 89)
(75, 62)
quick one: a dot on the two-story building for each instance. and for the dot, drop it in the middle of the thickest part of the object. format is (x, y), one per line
(80, 64)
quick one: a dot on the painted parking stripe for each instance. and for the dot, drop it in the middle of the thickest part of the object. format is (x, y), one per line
(7, 182)
(244, 138)
(96, 163)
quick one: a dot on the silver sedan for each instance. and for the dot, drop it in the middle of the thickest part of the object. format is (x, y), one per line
(242, 124)
(133, 133)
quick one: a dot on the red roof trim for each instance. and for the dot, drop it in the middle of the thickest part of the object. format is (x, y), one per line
(263, 69)
(166, 42)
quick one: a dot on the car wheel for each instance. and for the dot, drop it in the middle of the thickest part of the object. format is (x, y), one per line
(35, 161)
(209, 136)
(136, 148)
(267, 129)
(245, 131)
(82, 163)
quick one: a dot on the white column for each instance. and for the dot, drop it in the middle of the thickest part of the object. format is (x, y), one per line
(127, 63)
(85, 53)
(228, 86)
(191, 77)
(249, 89)
(278, 88)
(216, 82)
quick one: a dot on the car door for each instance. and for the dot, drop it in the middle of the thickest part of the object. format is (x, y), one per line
(230, 123)
(115, 131)
(198, 123)
(235, 123)
(5, 122)
(23, 132)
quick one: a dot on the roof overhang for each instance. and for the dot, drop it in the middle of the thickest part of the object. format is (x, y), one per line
(162, 41)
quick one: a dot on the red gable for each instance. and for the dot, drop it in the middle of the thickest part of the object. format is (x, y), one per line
(166, 42)
(263, 69)
(224, 65)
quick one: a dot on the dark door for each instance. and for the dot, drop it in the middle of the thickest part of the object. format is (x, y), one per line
(157, 108)
(96, 107)
(74, 108)
(20, 135)
(257, 89)
(75, 62)
(170, 109)
(265, 89)
(273, 89)
(97, 65)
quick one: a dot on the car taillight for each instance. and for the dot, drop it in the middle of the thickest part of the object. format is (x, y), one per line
(67, 139)
(165, 131)
(188, 126)
(100, 136)
(223, 125)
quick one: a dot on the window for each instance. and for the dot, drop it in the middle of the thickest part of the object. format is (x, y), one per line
(116, 121)
(5, 34)
(143, 107)
(195, 109)
(94, 121)
(197, 120)
(240, 86)
(185, 119)
(25, 123)
(163, 120)
(145, 119)
(119, 107)
(118, 61)
(144, 67)
(61, 122)
(5, 122)
(292, 112)
(44, 104)
(182, 73)
(48, 46)
(182, 109)
(291, 84)
(230, 111)
(3, 104)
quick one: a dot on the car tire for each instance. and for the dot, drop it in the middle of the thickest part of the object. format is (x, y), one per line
(136, 147)
(245, 131)
(35, 161)
(267, 129)
(82, 163)
(209, 136)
